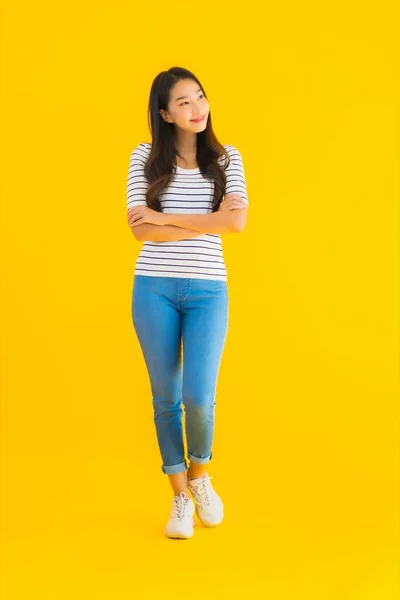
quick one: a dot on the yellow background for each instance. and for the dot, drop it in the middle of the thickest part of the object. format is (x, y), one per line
(307, 438)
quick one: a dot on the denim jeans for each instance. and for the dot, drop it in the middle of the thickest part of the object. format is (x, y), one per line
(181, 325)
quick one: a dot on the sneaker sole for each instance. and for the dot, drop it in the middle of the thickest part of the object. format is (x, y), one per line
(207, 524)
(181, 536)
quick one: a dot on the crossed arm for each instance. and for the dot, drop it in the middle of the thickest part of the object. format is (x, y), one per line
(183, 226)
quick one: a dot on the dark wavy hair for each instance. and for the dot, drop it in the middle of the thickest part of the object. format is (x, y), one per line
(160, 165)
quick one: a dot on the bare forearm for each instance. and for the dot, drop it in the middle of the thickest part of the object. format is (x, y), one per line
(162, 233)
(224, 221)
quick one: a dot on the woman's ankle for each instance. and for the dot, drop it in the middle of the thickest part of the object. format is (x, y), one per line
(196, 471)
(178, 492)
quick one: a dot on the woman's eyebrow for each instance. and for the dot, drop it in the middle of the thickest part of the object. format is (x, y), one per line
(181, 97)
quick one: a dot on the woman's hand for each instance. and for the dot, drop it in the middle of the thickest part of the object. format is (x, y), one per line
(144, 214)
(232, 201)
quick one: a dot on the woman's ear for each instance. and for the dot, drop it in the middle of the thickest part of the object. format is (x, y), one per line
(164, 115)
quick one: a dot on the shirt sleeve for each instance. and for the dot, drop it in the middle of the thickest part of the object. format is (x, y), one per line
(235, 175)
(137, 184)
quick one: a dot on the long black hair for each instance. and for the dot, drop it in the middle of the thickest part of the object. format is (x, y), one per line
(160, 165)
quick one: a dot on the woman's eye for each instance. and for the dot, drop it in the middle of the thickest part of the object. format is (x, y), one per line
(201, 96)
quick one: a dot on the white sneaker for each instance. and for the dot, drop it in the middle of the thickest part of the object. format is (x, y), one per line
(181, 520)
(209, 506)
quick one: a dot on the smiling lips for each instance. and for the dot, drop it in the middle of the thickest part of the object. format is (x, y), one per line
(197, 120)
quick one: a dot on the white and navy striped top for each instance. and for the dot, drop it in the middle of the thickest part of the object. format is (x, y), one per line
(200, 257)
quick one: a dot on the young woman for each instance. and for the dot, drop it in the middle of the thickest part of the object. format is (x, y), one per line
(184, 190)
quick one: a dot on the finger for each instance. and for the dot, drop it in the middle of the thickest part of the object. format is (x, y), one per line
(233, 196)
(235, 204)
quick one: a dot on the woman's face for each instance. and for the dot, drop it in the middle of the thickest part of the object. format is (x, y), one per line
(187, 102)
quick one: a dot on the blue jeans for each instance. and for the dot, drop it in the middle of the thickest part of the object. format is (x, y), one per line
(170, 314)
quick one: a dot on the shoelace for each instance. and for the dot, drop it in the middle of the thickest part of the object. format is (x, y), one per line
(180, 503)
(200, 492)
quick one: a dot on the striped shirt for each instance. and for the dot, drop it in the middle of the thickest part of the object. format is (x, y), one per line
(200, 257)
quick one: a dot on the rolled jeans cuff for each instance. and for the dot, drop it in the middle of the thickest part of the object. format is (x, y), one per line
(198, 460)
(172, 469)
